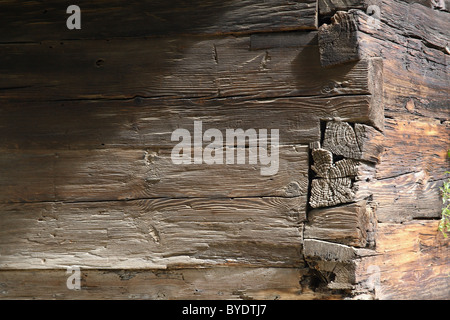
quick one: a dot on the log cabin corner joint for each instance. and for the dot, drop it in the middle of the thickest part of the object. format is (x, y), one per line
(342, 222)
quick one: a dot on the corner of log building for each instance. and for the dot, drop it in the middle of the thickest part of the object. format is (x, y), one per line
(356, 91)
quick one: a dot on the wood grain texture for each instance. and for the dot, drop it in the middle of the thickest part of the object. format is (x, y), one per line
(415, 72)
(411, 263)
(339, 40)
(347, 224)
(415, 145)
(333, 184)
(37, 21)
(336, 180)
(412, 170)
(155, 234)
(149, 123)
(416, 21)
(121, 174)
(408, 60)
(336, 263)
(188, 284)
(174, 67)
(391, 10)
(329, 7)
(359, 142)
(406, 197)
(416, 95)
(87, 179)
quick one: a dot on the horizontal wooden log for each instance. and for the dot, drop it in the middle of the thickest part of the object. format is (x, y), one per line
(406, 197)
(155, 234)
(412, 170)
(415, 145)
(175, 68)
(347, 224)
(431, 26)
(120, 174)
(149, 123)
(190, 284)
(407, 75)
(106, 19)
(327, 251)
(411, 263)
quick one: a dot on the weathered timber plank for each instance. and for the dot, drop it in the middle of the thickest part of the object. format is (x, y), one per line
(347, 224)
(174, 67)
(415, 145)
(411, 263)
(417, 21)
(209, 283)
(153, 233)
(412, 170)
(120, 174)
(412, 68)
(146, 123)
(37, 21)
(406, 197)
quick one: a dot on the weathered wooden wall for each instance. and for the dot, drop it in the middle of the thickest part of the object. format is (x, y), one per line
(86, 178)
(412, 39)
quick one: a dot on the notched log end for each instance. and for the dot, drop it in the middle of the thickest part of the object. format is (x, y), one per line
(359, 142)
(338, 41)
(348, 155)
(333, 184)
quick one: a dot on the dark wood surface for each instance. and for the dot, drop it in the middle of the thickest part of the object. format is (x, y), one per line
(86, 178)
(35, 21)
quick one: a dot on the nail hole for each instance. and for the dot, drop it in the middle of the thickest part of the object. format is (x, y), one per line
(100, 62)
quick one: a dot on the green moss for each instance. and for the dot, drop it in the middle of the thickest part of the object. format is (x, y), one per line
(444, 224)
